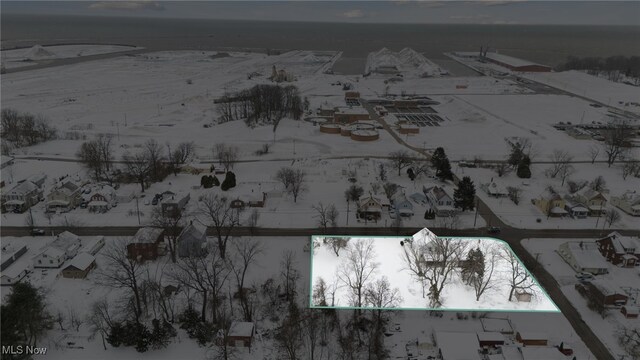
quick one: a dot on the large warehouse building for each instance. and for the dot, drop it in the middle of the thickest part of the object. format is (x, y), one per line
(515, 64)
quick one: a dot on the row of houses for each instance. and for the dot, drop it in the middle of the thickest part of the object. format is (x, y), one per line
(594, 257)
(436, 198)
(496, 346)
(584, 203)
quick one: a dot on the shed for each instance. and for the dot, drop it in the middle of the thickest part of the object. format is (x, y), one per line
(80, 266)
(630, 312)
(532, 338)
(241, 334)
(493, 339)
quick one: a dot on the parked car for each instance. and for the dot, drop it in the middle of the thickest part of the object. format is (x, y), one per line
(493, 230)
(584, 276)
(37, 232)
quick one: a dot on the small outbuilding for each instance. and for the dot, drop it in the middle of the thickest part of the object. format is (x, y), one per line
(241, 334)
(532, 338)
(630, 312)
(490, 339)
(80, 266)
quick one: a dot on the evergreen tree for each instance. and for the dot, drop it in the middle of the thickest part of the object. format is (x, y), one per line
(215, 181)
(444, 171)
(229, 181)
(473, 266)
(437, 157)
(24, 317)
(429, 214)
(524, 172)
(464, 195)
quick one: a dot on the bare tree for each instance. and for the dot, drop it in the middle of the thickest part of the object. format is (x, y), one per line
(289, 275)
(289, 335)
(381, 296)
(180, 155)
(400, 160)
(631, 167)
(171, 222)
(560, 160)
(311, 331)
(246, 253)
(122, 272)
(519, 277)
(222, 349)
(138, 166)
(293, 180)
(616, 140)
(75, 321)
(452, 221)
(515, 193)
(629, 339)
(612, 216)
(252, 220)
(220, 216)
(357, 269)
(206, 276)
(100, 319)
(336, 243)
(432, 260)
(326, 215)
(501, 168)
(482, 280)
(227, 155)
(153, 154)
(598, 184)
(593, 151)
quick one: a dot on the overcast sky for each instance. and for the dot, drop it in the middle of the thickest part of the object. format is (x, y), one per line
(453, 12)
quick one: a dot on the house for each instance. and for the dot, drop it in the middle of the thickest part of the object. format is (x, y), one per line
(541, 353)
(101, 199)
(403, 206)
(551, 204)
(490, 339)
(532, 338)
(593, 200)
(620, 250)
(68, 243)
(457, 345)
(576, 210)
(174, 201)
(192, 241)
(14, 274)
(241, 334)
(64, 197)
(252, 200)
(419, 198)
(50, 257)
(80, 266)
(10, 253)
(630, 312)
(22, 196)
(606, 293)
(94, 245)
(369, 207)
(439, 200)
(629, 202)
(495, 189)
(145, 244)
(583, 257)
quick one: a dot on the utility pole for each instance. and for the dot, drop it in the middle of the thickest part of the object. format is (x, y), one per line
(138, 210)
(476, 216)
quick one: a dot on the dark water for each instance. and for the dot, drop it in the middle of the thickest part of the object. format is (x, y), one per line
(544, 44)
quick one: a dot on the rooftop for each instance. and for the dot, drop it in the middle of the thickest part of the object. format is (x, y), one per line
(244, 329)
(146, 235)
(510, 60)
(458, 345)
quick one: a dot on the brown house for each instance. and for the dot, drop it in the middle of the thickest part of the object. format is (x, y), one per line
(620, 250)
(241, 334)
(630, 312)
(606, 294)
(80, 266)
(145, 244)
(531, 338)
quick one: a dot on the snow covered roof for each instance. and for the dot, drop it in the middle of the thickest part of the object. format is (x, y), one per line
(490, 336)
(631, 310)
(146, 235)
(352, 110)
(193, 230)
(437, 192)
(506, 59)
(52, 252)
(458, 345)
(15, 270)
(240, 328)
(496, 189)
(541, 353)
(558, 210)
(24, 187)
(607, 288)
(530, 335)
(64, 240)
(587, 256)
(82, 261)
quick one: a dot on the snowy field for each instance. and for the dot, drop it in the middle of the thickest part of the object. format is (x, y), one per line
(607, 92)
(30, 56)
(386, 257)
(605, 328)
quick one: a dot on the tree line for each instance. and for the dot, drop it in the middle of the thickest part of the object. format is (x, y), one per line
(613, 67)
(24, 129)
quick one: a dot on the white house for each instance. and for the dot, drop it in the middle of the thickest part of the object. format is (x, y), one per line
(441, 202)
(583, 257)
(495, 189)
(14, 274)
(629, 202)
(50, 257)
(22, 196)
(370, 207)
(403, 206)
(192, 240)
(68, 243)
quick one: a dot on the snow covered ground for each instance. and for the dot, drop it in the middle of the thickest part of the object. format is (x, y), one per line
(30, 56)
(387, 259)
(605, 328)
